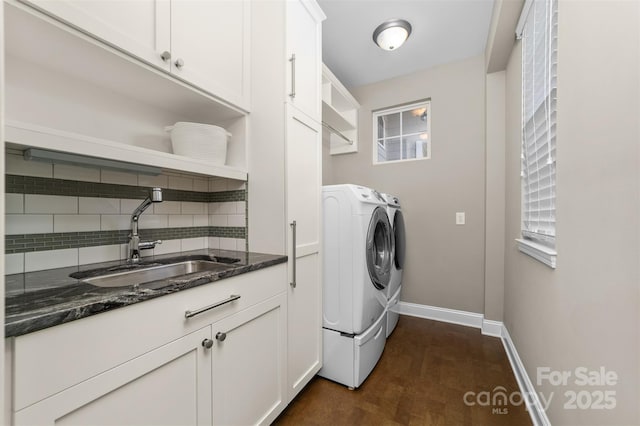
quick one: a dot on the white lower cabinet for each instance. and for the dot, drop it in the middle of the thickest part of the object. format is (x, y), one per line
(170, 385)
(249, 365)
(224, 366)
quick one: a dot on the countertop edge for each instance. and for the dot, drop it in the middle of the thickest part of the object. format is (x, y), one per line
(37, 322)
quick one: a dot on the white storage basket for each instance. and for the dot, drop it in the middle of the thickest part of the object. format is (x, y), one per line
(200, 141)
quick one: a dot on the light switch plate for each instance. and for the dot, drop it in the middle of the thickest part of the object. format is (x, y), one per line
(460, 218)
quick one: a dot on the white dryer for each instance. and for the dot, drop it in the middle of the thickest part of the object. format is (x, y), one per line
(357, 259)
(396, 219)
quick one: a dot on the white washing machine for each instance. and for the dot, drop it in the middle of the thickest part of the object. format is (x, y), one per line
(357, 259)
(396, 219)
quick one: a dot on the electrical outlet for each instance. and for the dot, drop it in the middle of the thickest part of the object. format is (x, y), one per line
(460, 219)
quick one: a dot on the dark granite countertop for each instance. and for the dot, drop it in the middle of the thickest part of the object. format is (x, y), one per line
(38, 300)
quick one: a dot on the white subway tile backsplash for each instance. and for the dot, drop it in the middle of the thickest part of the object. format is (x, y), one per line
(149, 221)
(16, 165)
(98, 254)
(200, 185)
(218, 220)
(194, 243)
(200, 220)
(147, 253)
(120, 178)
(160, 181)
(241, 207)
(180, 221)
(179, 182)
(217, 185)
(13, 263)
(39, 260)
(94, 205)
(168, 246)
(189, 207)
(76, 222)
(214, 242)
(228, 243)
(36, 203)
(167, 207)
(114, 222)
(69, 172)
(236, 220)
(128, 206)
(227, 207)
(212, 208)
(28, 223)
(234, 185)
(241, 244)
(14, 203)
(124, 251)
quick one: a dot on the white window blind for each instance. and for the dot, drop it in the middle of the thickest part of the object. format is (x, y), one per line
(539, 87)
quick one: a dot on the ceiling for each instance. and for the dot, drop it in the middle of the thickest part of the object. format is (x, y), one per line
(443, 31)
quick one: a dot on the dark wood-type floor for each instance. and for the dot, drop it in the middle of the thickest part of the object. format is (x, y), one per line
(421, 379)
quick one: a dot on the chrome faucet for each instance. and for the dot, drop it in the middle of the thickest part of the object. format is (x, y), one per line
(134, 239)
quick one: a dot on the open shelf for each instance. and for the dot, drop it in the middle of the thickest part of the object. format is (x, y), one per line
(26, 135)
(339, 114)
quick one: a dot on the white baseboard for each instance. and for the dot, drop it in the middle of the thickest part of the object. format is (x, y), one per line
(489, 328)
(534, 406)
(492, 328)
(470, 319)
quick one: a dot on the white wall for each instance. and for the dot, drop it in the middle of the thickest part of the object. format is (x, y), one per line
(445, 262)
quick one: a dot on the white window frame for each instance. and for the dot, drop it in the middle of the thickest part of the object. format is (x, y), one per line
(400, 109)
(539, 118)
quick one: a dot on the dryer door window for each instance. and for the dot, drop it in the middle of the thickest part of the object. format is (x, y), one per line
(379, 249)
(400, 240)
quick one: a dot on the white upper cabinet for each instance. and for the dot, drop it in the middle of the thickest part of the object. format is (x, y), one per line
(138, 27)
(210, 46)
(204, 43)
(304, 56)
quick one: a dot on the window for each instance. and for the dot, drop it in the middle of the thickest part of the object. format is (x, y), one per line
(402, 133)
(539, 60)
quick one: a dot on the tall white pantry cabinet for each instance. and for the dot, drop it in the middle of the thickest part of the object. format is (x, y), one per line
(285, 164)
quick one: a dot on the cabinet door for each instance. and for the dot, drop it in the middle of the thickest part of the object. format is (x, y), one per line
(170, 385)
(304, 166)
(212, 40)
(249, 365)
(140, 27)
(304, 53)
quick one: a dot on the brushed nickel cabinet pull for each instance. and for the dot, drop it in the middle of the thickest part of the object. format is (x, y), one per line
(293, 75)
(190, 314)
(293, 232)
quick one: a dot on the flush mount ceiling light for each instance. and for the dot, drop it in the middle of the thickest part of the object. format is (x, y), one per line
(392, 34)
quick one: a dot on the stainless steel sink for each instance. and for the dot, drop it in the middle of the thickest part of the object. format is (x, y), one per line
(155, 273)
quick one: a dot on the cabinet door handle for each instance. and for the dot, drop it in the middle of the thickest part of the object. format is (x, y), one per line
(293, 75)
(207, 343)
(190, 314)
(293, 237)
(179, 63)
(220, 336)
(166, 55)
